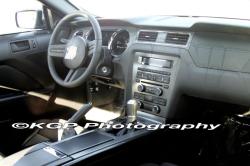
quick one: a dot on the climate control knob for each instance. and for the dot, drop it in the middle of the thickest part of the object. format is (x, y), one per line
(140, 104)
(158, 91)
(156, 109)
(141, 88)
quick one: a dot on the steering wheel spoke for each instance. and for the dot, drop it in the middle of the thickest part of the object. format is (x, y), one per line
(73, 74)
(57, 50)
(91, 47)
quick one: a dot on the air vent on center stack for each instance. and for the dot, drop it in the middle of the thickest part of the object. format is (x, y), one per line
(147, 36)
(177, 38)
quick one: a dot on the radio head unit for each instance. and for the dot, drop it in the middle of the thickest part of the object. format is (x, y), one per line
(153, 81)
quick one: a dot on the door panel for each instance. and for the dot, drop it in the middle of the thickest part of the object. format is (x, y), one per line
(23, 60)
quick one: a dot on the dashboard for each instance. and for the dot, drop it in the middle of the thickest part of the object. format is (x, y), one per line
(158, 59)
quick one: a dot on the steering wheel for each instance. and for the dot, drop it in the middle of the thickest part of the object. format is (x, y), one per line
(76, 53)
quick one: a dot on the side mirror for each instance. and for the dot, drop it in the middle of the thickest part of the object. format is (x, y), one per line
(30, 19)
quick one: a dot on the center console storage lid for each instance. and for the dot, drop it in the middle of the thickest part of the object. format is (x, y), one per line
(81, 142)
(39, 157)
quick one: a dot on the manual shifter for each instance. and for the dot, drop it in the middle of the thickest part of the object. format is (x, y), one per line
(131, 111)
(131, 116)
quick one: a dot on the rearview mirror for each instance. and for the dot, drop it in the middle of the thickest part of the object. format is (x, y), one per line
(30, 19)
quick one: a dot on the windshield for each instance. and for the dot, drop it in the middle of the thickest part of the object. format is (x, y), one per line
(133, 8)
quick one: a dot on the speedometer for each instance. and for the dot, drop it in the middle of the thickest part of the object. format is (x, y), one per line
(118, 42)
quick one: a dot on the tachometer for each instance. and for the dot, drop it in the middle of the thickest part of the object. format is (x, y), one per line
(118, 42)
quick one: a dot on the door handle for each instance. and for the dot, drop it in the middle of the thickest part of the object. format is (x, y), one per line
(18, 46)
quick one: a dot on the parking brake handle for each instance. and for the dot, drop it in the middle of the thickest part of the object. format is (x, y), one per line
(80, 114)
(70, 132)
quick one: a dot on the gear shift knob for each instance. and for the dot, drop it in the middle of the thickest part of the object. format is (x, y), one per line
(132, 107)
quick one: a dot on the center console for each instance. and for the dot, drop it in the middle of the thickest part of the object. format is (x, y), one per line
(76, 149)
(153, 81)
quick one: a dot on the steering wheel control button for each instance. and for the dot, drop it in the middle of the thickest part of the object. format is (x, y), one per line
(75, 52)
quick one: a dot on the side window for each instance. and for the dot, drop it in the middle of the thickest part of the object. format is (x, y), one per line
(8, 10)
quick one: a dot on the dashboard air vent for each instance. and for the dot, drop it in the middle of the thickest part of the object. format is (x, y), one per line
(177, 38)
(147, 36)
